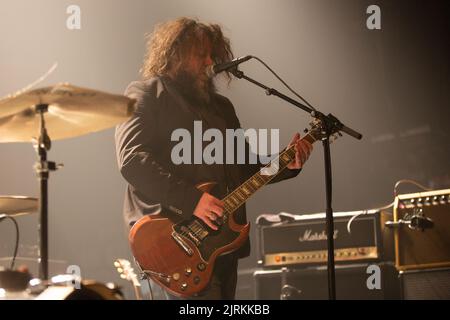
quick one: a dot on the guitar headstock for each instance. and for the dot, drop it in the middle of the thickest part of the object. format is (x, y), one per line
(125, 270)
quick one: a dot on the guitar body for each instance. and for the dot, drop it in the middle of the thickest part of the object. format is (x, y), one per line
(180, 254)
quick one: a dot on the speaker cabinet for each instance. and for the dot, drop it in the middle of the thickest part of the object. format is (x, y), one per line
(312, 283)
(431, 284)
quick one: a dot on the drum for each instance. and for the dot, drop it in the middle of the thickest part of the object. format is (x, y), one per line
(68, 287)
(13, 285)
(93, 290)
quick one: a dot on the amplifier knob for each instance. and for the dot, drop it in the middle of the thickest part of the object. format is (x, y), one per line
(419, 202)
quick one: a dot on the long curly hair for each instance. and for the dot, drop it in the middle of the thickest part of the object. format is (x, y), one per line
(170, 44)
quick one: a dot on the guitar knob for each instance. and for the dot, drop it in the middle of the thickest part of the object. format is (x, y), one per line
(201, 266)
(183, 286)
(188, 271)
(176, 276)
(196, 279)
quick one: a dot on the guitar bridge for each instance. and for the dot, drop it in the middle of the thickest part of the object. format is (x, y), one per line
(178, 239)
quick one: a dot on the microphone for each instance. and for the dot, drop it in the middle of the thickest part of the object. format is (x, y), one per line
(217, 68)
(421, 222)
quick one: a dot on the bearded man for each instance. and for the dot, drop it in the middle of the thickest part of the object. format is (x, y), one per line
(175, 91)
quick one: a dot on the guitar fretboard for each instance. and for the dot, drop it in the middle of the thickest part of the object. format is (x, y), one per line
(242, 193)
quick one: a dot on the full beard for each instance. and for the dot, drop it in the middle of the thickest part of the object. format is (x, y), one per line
(199, 89)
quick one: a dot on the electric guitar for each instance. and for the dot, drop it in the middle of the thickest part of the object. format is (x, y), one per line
(180, 254)
(126, 272)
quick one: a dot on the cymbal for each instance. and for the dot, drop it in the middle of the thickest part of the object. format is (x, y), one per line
(18, 205)
(72, 111)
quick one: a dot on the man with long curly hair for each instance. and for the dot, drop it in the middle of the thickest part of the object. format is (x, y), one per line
(176, 91)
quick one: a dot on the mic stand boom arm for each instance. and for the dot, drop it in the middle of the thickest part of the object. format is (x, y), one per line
(330, 124)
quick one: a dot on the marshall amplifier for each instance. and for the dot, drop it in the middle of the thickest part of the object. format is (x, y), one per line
(360, 236)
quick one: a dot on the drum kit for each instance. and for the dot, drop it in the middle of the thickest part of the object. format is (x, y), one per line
(39, 116)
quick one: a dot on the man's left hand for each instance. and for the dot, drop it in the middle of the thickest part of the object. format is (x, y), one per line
(302, 151)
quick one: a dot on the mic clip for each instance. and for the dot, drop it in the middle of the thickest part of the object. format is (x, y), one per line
(415, 221)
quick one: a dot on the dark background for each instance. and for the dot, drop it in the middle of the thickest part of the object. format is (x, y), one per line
(390, 84)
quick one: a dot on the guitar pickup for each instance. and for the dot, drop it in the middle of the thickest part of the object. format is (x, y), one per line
(191, 235)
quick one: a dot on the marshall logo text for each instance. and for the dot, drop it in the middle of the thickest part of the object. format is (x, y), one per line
(308, 235)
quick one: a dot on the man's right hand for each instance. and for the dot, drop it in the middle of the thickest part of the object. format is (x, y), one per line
(209, 209)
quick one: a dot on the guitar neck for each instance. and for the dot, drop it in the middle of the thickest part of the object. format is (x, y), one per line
(242, 193)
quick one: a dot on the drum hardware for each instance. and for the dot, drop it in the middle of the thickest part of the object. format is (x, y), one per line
(56, 112)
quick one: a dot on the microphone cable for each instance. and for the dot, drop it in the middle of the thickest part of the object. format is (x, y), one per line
(283, 82)
(17, 239)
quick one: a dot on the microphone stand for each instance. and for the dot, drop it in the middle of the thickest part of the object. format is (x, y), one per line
(330, 124)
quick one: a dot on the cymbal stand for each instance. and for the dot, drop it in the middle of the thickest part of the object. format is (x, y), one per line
(43, 168)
